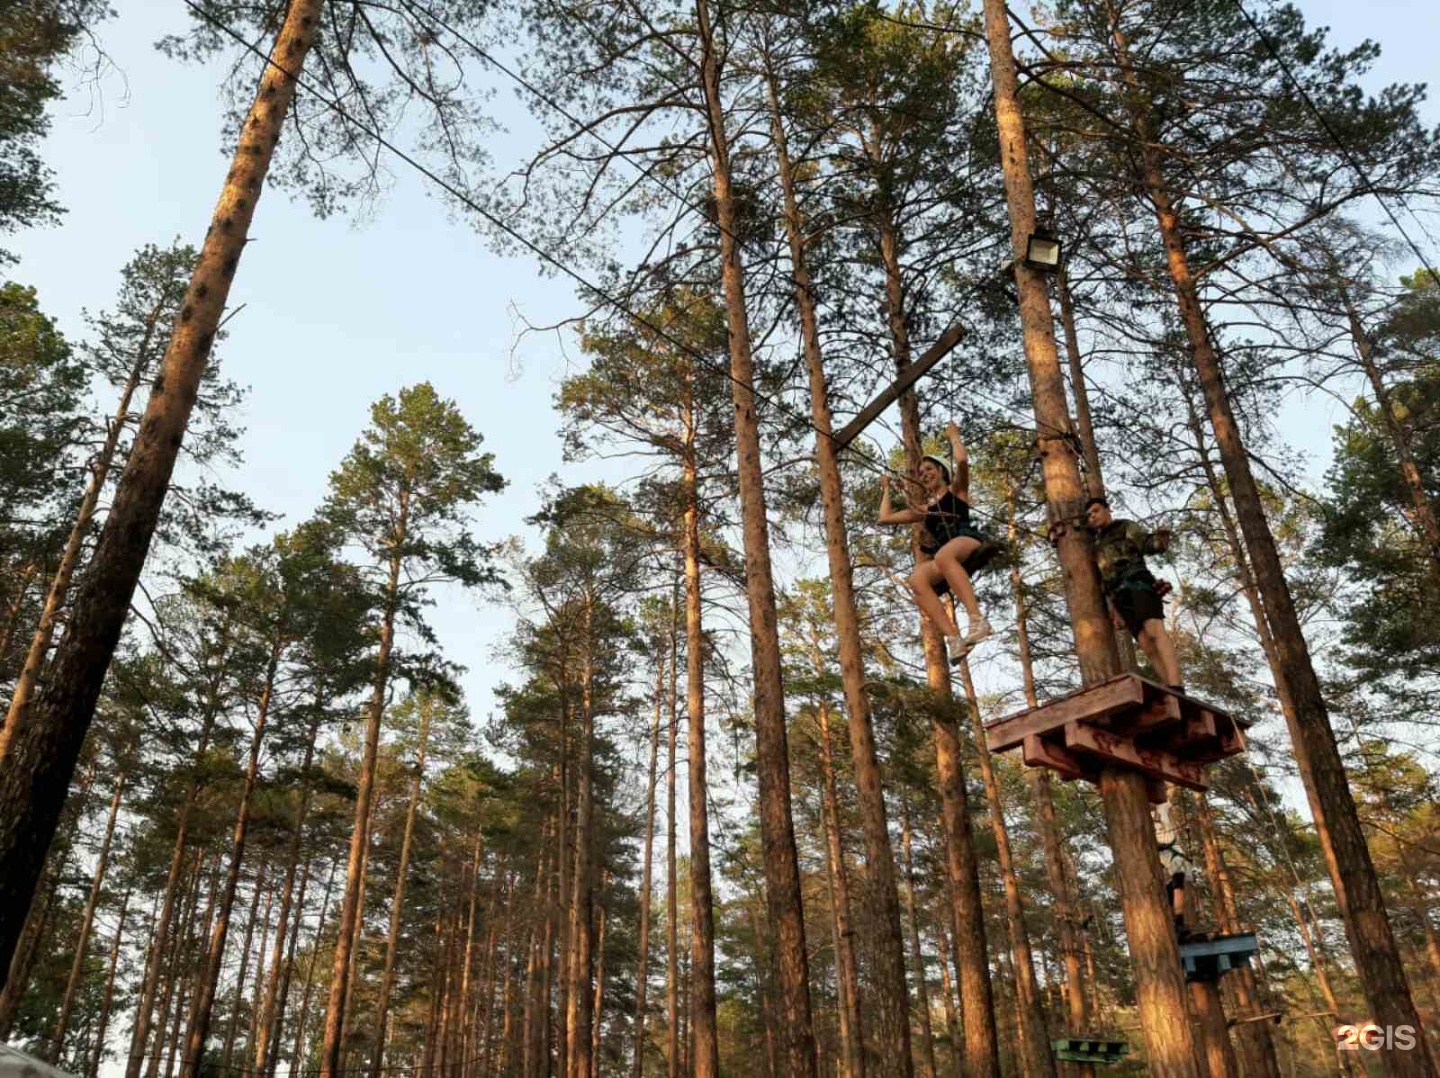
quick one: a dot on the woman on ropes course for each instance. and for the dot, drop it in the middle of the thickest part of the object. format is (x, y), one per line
(955, 548)
(1137, 599)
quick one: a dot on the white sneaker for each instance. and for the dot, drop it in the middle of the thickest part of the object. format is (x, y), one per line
(979, 630)
(956, 649)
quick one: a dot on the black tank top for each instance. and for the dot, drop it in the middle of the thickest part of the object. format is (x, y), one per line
(944, 520)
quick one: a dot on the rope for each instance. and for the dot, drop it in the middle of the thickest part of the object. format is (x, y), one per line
(545, 256)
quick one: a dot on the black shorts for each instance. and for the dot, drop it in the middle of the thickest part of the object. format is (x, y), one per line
(1137, 603)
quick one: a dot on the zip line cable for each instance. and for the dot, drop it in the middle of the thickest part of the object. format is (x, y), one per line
(545, 256)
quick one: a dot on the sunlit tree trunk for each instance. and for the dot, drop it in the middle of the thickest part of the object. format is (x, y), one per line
(87, 921)
(917, 956)
(1337, 824)
(780, 861)
(38, 759)
(232, 1027)
(851, 1021)
(642, 962)
(107, 999)
(397, 903)
(1149, 928)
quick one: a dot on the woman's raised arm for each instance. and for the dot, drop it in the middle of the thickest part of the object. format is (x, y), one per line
(891, 516)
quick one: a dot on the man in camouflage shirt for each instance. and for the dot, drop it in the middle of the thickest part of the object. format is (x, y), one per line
(1136, 597)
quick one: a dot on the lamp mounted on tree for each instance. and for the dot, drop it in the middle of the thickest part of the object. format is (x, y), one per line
(1042, 250)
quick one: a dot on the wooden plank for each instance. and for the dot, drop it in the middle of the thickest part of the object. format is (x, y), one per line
(1156, 763)
(1044, 752)
(891, 393)
(1092, 703)
(1154, 714)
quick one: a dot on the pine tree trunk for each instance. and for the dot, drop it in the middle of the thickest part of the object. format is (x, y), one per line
(672, 891)
(947, 989)
(87, 922)
(706, 1043)
(397, 903)
(190, 978)
(982, 1049)
(1257, 1048)
(267, 1033)
(888, 999)
(852, 1025)
(41, 753)
(1214, 1031)
(21, 694)
(599, 1009)
(777, 829)
(160, 943)
(1154, 954)
(232, 1027)
(1051, 840)
(148, 1052)
(273, 1022)
(23, 962)
(642, 962)
(302, 1020)
(1425, 516)
(580, 998)
(917, 956)
(259, 983)
(107, 1000)
(467, 994)
(210, 975)
(1347, 856)
(1034, 1040)
(349, 927)
(1084, 425)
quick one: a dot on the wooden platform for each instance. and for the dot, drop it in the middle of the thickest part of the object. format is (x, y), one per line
(1208, 958)
(1126, 721)
(1089, 1050)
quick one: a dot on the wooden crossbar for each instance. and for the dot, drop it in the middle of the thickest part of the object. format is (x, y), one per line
(917, 369)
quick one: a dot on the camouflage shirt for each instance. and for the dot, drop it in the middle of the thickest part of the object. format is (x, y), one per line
(1120, 549)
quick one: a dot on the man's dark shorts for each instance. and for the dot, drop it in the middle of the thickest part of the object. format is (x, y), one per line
(1137, 603)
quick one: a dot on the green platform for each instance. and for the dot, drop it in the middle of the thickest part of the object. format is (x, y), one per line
(1089, 1050)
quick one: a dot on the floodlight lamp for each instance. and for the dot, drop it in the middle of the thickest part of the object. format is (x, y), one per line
(1042, 251)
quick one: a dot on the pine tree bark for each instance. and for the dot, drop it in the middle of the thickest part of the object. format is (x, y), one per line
(917, 956)
(172, 964)
(232, 1026)
(599, 1008)
(1154, 954)
(672, 891)
(397, 902)
(888, 1000)
(467, 986)
(1425, 516)
(190, 977)
(1034, 1039)
(982, 1048)
(215, 957)
(777, 828)
(1051, 840)
(1214, 1030)
(350, 905)
(267, 1035)
(1257, 1048)
(160, 943)
(37, 768)
(947, 989)
(642, 962)
(107, 999)
(87, 922)
(580, 998)
(29, 677)
(297, 1055)
(705, 1035)
(852, 1024)
(1342, 841)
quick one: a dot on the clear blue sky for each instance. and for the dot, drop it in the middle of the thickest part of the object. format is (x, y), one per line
(337, 314)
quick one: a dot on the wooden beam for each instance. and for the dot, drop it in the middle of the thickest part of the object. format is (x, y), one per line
(1088, 704)
(891, 393)
(1044, 752)
(1155, 763)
